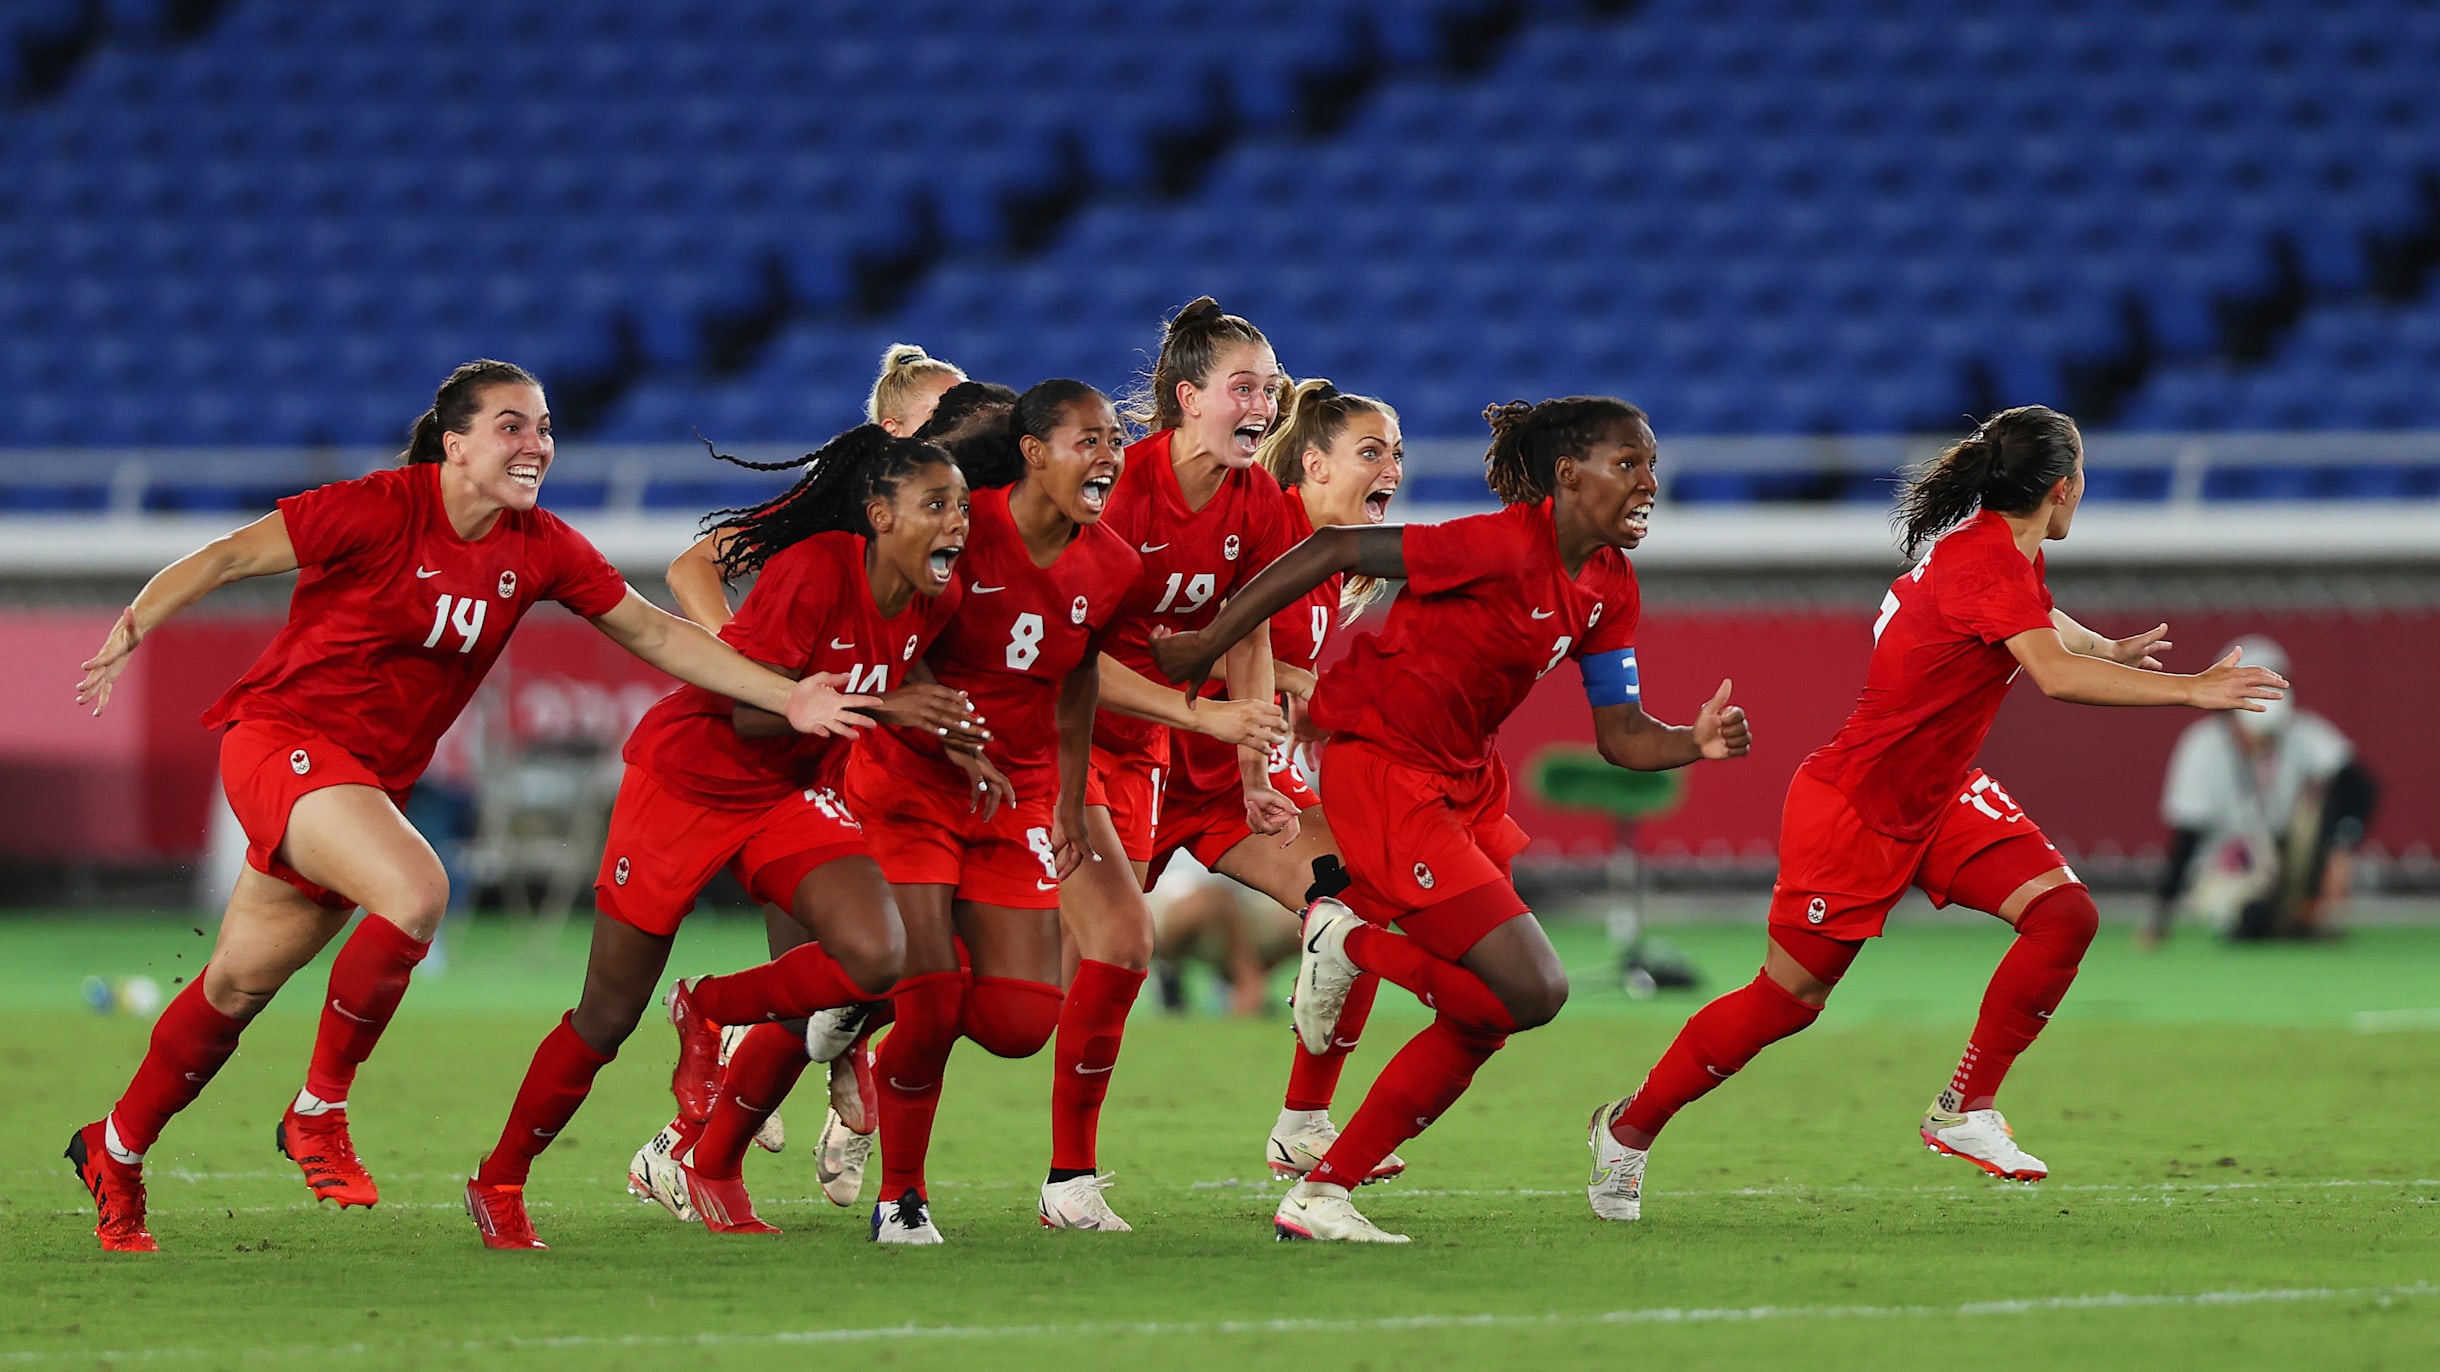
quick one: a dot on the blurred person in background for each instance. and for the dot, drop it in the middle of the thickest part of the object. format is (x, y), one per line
(1201, 917)
(2265, 811)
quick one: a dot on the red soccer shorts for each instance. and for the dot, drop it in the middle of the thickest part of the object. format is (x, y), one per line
(1208, 825)
(1129, 783)
(1429, 851)
(664, 849)
(265, 767)
(1838, 876)
(925, 833)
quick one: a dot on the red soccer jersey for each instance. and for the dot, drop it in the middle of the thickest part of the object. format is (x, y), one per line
(1299, 633)
(811, 610)
(1021, 631)
(1193, 560)
(1488, 609)
(395, 618)
(1940, 667)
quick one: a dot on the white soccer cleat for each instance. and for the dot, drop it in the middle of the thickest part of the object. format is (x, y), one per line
(1297, 1146)
(1617, 1187)
(1323, 973)
(839, 1157)
(1317, 1210)
(852, 1092)
(773, 1136)
(829, 1032)
(907, 1220)
(1078, 1203)
(1983, 1138)
(653, 1174)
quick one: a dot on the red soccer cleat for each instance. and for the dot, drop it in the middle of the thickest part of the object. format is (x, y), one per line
(320, 1146)
(499, 1211)
(722, 1203)
(697, 1075)
(118, 1192)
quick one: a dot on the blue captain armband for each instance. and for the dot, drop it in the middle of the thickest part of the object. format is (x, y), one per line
(1609, 679)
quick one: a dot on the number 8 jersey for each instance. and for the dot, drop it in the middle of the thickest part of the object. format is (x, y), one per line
(1019, 633)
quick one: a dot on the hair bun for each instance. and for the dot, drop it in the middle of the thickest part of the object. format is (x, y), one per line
(1200, 308)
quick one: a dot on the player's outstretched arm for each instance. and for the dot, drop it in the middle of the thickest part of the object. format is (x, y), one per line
(1631, 739)
(1377, 550)
(2071, 676)
(694, 655)
(262, 548)
(1246, 723)
(2139, 651)
(694, 579)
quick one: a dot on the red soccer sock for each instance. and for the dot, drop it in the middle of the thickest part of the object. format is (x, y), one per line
(1090, 1026)
(1009, 1017)
(367, 981)
(1721, 1038)
(1438, 983)
(1424, 1079)
(555, 1085)
(2032, 979)
(908, 1069)
(189, 1043)
(1313, 1078)
(791, 986)
(759, 1076)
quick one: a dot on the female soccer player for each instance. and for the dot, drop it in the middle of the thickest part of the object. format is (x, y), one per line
(1045, 581)
(1418, 794)
(1894, 799)
(903, 397)
(389, 632)
(1338, 459)
(1201, 516)
(856, 568)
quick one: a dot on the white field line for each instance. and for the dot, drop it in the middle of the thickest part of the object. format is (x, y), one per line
(1693, 1315)
(2395, 1021)
(2165, 1192)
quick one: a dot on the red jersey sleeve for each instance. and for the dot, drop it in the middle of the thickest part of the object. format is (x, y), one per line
(332, 522)
(1622, 609)
(787, 612)
(1444, 557)
(1992, 593)
(585, 581)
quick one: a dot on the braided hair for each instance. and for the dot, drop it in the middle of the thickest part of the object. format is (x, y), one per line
(2007, 464)
(455, 403)
(971, 423)
(1528, 440)
(840, 477)
(1191, 343)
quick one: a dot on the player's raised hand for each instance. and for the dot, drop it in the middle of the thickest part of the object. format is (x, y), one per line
(936, 709)
(1269, 812)
(990, 787)
(2228, 686)
(818, 707)
(1183, 658)
(104, 667)
(1246, 723)
(2143, 650)
(1720, 730)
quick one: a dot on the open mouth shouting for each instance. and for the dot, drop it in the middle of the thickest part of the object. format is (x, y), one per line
(1376, 500)
(1639, 520)
(1248, 437)
(526, 473)
(943, 561)
(1094, 494)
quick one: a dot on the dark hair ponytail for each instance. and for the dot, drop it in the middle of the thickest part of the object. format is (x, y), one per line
(1191, 343)
(1527, 441)
(994, 455)
(840, 477)
(2006, 465)
(455, 403)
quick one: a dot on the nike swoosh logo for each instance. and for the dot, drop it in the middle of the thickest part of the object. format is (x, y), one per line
(343, 1014)
(1150, 547)
(841, 643)
(985, 590)
(1084, 1071)
(1544, 614)
(421, 574)
(546, 1133)
(1041, 885)
(1343, 1043)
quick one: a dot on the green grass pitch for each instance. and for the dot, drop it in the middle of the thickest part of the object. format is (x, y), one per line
(2244, 1177)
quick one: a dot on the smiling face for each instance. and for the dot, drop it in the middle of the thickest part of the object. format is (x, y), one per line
(921, 528)
(1079, 460)
(507, 448)
(1351, 482)
(1614, 483)
(1229, 411)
